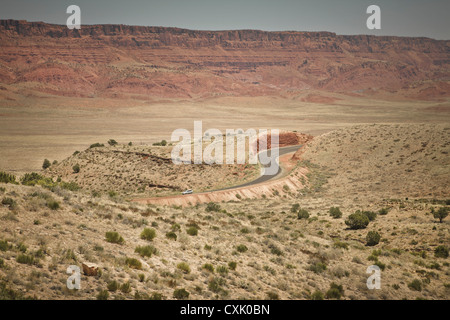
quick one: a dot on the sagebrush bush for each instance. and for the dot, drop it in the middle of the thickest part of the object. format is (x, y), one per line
(192, 231)
(180, 294)
(76, 168)
(222, 270)
(7, 178)
(241, 248)
(335, 212)
(183, 266)
(335, 292)
(415, 285)
(25, 259)
(232, 265)
(148, 234)
(145, 251)
(125, 287)
(441, 252)
(103, 295)
(209, 267)
(114, 237)
(302, 214)
(53, 204)
(171, 235)
(212, 207)
(9, 202)
(133, 263)
(46, 164)
(317, 295)
(113, 286)
(357, 221)
(372, 238)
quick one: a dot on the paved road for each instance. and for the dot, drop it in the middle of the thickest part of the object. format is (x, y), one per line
(264, 178)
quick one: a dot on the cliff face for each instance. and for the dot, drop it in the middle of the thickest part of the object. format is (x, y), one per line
(123, 61)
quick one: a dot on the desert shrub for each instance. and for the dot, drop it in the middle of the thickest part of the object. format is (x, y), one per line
(441, 252)
(302, 214)
(53, 204)
(145, 251)
(33, 178)
(222, 269)
(171, 235)
(192, 231)
(232, 265)
(133, 263)
(317, 295)
(415, 285)
(335, 292)
(357, 221)
(209, 267)
(114, 237)
(215, 285)
(370, 214)
(212, 207)
(272, 295)
(241, 248)
(113, 286)
(163, 143)
(103, 295)
(125, 287)
(4, 245)
(148, 234)
(175, 227)
(181, 294)
(275, 250)
(318, 267)
(335, 212)
(440, 214)
(96, 145)
(380, 264)
(340, 244)
(7, 178)
(9, 202)
(71, 186)
(238, 196)
(372, 238)
(295, 207)
(46, 164)
(383, 211)
(76, 168)
(112, 142)
(25, 259)
(183, 266)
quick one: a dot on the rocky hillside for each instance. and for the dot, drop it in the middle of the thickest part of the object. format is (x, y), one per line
(129, 61)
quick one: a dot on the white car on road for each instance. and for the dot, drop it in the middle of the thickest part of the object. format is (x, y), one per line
(187, 192)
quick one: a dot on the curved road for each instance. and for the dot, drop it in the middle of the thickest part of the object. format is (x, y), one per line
(264, 178)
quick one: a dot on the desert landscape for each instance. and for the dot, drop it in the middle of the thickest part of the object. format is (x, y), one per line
(368, 185)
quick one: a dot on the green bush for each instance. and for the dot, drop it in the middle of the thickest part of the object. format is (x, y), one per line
(183, 266)
(318, 267)
(76, 168)
(46, 164)
(53, 205)
(7, 178)
(441, 252)
(302, 214)
(372, 238)
(415, 285)
(295, 207)
(272, 296)
(148, 234)
(441, 214)
(357, 221)
(103, 295)
(96, 145)
(383, 211)
(192, 231)
(335, 292)
(114, 237)
(113, 286)
(4, 246)
(370, 214)
(222, 270)
(215, 285)
(112, 142)
(212, 207)
(317, 295)
(9, 202)
(133, 263)
(340, 244)
(25, 259)
(125, 287)
(171, 235)
(209, 267)
(145, 251)
(181, 294)
(232, 265)
(241, 248)
(335, 212)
